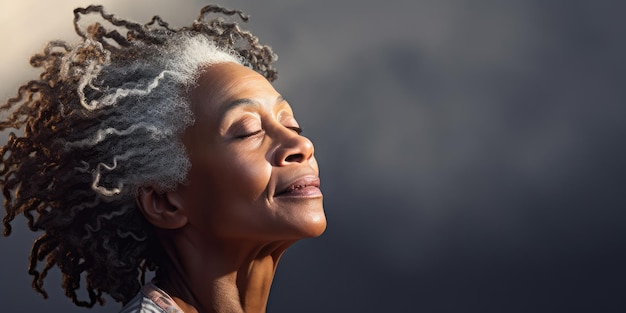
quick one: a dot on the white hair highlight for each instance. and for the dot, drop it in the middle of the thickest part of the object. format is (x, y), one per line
(188, 54)
(144, 117)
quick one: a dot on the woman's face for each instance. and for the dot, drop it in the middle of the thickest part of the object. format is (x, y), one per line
(253, 176)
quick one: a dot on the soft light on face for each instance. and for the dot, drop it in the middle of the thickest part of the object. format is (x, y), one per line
(253, 175)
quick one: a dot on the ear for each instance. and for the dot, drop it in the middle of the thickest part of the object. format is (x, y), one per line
(161, 209)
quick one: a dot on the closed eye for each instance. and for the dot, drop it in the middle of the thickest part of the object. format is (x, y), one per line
(247, 135)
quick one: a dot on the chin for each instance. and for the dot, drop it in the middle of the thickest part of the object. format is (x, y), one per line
(314, 226)
(299, 221)
(319, 226)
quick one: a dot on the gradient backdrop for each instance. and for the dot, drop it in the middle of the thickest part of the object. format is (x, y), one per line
(472, 152)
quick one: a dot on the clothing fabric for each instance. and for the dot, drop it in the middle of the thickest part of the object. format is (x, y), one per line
(151, 299)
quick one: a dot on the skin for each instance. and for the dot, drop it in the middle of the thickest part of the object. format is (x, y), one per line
(252, 191)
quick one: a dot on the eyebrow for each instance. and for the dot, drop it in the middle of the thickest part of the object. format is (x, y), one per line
(245, 101)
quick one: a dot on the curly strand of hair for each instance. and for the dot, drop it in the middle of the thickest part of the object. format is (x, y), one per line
(21, 101)
(66, 218)
(10, 212)
(42, 248)
(136, 31)
(30, 219)
(112, 99)
(6, 222)
(71, 283)
(142, 268)
(98, 174)
(53, 52)
(163, 24)
(100, 34)
(99, 221)
(131, 26)
(89, 51)
(210, 9)
(38, 282)
(102, 134)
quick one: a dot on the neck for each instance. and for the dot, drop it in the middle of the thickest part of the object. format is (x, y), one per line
(225, 277)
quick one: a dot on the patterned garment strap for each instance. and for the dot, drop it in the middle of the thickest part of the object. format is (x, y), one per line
(160, 298)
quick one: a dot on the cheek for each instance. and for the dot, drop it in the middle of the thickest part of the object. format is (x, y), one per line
(238, 196)
(250, 175)
(239, 176)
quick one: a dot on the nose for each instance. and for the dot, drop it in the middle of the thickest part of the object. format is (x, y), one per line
(292, 148)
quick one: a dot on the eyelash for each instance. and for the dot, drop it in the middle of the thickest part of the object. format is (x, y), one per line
(250, 134)
(296, 129)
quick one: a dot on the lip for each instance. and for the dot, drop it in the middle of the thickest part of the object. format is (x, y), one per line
(303, 187)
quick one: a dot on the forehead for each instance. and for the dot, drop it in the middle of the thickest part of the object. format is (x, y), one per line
(221, 85)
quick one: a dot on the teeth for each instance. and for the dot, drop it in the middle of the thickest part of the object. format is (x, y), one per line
(294, 187)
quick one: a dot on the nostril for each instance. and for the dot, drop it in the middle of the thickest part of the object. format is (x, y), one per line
(294, 157)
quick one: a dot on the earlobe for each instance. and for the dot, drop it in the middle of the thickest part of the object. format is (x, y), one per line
(161, 209)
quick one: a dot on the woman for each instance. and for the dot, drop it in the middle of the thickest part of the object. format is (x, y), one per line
(151, 148)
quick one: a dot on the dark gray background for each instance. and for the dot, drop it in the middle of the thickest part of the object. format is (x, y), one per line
(472, 152)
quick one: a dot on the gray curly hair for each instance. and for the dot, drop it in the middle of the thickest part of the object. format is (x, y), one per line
(104, 119)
